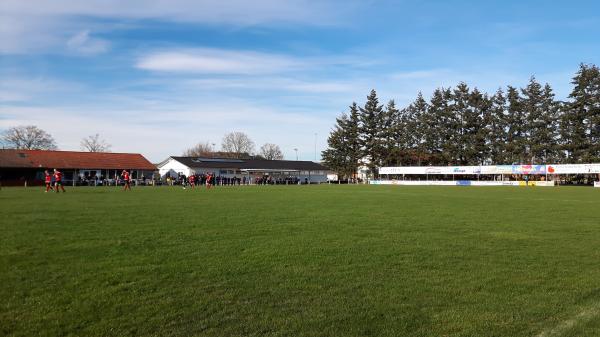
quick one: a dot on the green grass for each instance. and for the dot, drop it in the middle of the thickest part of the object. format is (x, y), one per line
(301, 261)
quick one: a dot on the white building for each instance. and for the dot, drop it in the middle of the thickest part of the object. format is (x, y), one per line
(239, 168)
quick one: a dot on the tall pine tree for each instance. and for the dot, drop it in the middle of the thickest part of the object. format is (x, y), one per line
(496, 129)
(516, 140)
(371, 117)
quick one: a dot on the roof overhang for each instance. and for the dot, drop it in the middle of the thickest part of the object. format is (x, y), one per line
(269, 170)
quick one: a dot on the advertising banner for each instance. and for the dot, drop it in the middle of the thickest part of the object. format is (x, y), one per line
(573, 168)
(445, 170)
(497, 169)
(529, 169)
(465, 170)
(461, 183)
(494, 169)
(414, 182)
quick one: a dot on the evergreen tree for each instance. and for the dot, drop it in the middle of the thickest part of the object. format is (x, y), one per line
(388, 132)
(352, 131)
(579, 124)
(402, 139)
(450, 129)
(594, 114)
(460, 107)
(371, 116)
(496, 128)
(336, 156)
(536, 132)
(415, 130)
(548, 131)
(344, 153)
(516, 123)
(435, 128)
(476, 152)
(461, 126)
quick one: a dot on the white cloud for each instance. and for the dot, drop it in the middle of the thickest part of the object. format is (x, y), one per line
(239, 62)
(238, 12)
(39, 25)
(83, 43)
(265, 83)
(217, 61)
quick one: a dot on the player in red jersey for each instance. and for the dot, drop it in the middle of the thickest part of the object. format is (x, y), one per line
(127, 180)
(208, 181)
(48, 181)
(58, 180)
(192, 180)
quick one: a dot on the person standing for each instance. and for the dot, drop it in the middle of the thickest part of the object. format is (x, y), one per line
(192, 181)
(58, 181)
(126, 178)
(48, 180)
(208, 181)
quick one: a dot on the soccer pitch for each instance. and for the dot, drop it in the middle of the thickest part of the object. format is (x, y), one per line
(300, 261)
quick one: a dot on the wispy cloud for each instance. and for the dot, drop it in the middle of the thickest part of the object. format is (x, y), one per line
(38, 25)
(83, 43)
(240, 62)
(274, 84)
(240, 12)
(217, 61)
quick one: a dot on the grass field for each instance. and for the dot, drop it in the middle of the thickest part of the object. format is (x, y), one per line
(301, 261)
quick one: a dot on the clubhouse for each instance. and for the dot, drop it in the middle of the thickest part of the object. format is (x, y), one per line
(26, 167)
(246, 169)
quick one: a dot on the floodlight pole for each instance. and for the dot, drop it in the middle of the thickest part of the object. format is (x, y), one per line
(295, 149)
(315, 146)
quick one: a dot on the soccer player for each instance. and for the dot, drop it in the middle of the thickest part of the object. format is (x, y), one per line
(58, 181)
(208, 181)
(192, 180)
(125, 176)
(48, 180)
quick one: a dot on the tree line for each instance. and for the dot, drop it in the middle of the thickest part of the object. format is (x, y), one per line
(234, 144)
(30, 137)
(465, 126)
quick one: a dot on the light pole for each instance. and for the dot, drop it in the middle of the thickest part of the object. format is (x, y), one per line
(295, 149)
(315, 146)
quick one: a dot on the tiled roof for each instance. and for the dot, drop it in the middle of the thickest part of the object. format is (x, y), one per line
(73, 160)
(250, 164)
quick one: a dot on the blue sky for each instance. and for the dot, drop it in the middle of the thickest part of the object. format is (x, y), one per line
(158, 77)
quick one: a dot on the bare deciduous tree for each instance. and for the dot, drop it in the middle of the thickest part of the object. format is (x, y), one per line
(28, 137)
(95, 144)
(271, 151)
(237, 143)
(200, 150)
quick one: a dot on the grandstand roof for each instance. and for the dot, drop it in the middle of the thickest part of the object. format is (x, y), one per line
(250, 164)
(73, 160)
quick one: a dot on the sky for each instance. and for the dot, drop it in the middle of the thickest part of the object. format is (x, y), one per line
(157, 77)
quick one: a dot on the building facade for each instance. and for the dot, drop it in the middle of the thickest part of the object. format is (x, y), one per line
(26, 167)
(251, 169)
